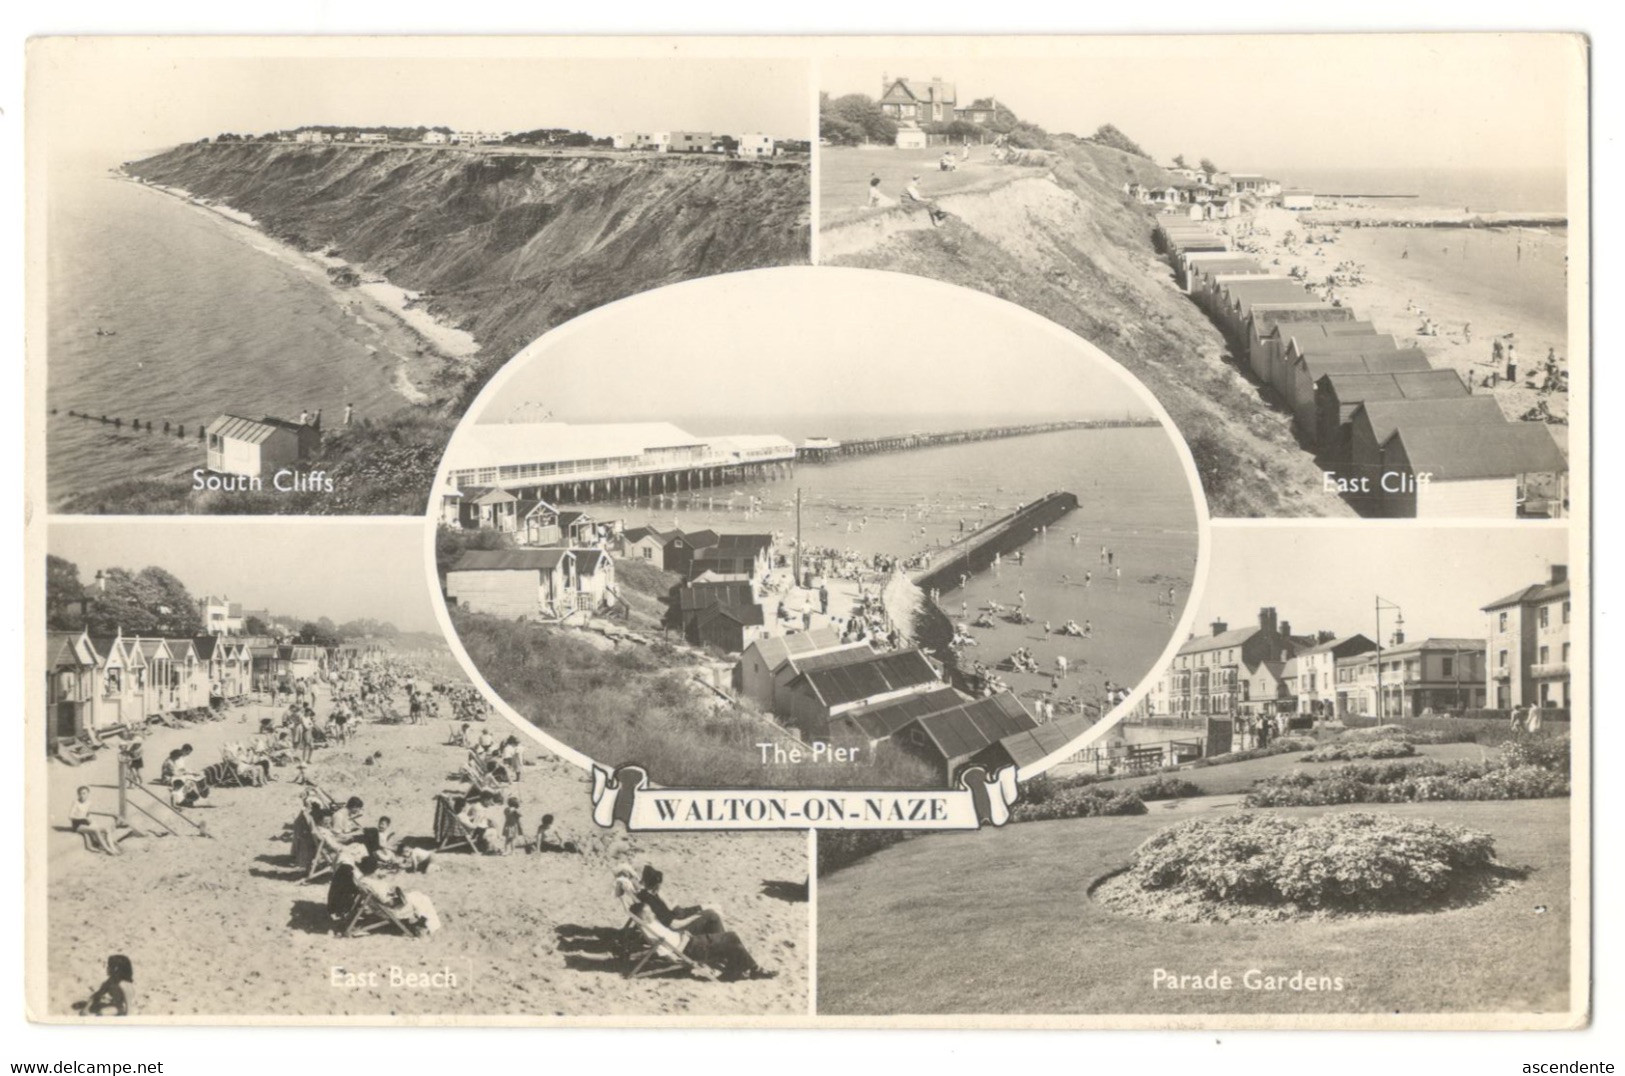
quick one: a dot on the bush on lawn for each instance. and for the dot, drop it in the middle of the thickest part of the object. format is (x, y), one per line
(1355, 862)
(1536, 770)
(1078, 801)
(1346, 752)
(1283, 746)
(1166, 787)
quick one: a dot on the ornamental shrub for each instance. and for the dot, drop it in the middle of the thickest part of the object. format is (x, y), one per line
(1364, 748)
(1078, 801)
(1356, 861)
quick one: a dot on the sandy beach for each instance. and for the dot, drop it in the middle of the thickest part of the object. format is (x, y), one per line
(403, 331)
(1472, 284)
(224, 926)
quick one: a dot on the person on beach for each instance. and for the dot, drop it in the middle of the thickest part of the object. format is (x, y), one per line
(697, 920)
(112, 998)
(725, 951)
(549, 839)
(513, 829)
(97, 838)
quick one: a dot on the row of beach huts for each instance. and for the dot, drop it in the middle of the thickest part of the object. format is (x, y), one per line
(1398, 437)
(102, 684)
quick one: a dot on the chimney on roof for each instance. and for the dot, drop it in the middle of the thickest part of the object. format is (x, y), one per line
(1220, 627)
(1266, 619)
(1324, 636)
(1560, 574)
(1286, 629)
(101, 581)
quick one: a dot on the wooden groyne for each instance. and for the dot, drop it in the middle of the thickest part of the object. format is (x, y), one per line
(824, 453)
(136, 425)
(976, 551)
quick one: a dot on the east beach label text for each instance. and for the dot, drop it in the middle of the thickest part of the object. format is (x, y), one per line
(394, 977)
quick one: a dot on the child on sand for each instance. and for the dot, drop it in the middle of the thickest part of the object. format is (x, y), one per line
(111, 998)
(513, 831)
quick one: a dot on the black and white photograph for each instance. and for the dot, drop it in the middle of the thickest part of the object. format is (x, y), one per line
(1349, 799)
(274, 794)
(276, 272)
(1344, 314)
(881, 530)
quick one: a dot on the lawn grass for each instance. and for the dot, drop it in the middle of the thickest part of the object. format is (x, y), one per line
(844, 171)
(1000, 921)
(1235, 778)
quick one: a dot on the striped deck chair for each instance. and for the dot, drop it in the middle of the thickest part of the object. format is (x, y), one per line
(450, 831)
(372, 915)
(652, 954)
(326, 858)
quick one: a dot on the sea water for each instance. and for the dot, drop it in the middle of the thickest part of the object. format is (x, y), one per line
(205, 316)
(1133, 499)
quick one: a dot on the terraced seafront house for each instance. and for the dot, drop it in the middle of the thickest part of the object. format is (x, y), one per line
(1410, 678)
(1527, 656)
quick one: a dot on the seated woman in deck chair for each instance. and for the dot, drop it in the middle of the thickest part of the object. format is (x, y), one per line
(413, 906)
(693, 919)
(725, 952)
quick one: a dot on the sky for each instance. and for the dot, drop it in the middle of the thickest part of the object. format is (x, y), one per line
(334, 568)
(1269, 103)
(1329, 577)
(129, 96)
(808, 341)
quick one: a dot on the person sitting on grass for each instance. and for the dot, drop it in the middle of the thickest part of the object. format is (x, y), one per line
(725, 951)
(696, 920)
(112, 998)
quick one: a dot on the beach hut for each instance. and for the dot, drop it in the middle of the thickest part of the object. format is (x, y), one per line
(258, 448)
(161, 695)
(188, 675)
(1375, 421)
(538, 523)
(645, 544)
(524, 584)
(966, 734)
(1311, 366)
(754, 672)
(1472, 472)
(1338, 395)
(595, 579)
(1269, 325)
(1234, 300)
(679, 552)
(119, 683)
(818, 694)
(873, 724)
(748, 555)
(70, 684)
(577, 528)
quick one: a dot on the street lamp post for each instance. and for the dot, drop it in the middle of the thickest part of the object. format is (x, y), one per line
(1380, 605)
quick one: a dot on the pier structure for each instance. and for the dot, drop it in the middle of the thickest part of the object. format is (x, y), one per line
(825, 450)
(977, 550)
(565, 463)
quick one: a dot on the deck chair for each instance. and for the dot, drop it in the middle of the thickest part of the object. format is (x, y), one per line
(450, 831)
(326, 856)
(651, 955)
(72, 753)
(372, 915)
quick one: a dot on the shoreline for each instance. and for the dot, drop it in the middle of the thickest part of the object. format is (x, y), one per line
(440, 345)
(1462, 299)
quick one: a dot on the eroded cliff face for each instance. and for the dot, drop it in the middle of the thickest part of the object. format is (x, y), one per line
(503, 245)
(1062, 240)
(508, 246)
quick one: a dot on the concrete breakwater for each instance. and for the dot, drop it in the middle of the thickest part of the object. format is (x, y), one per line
(977, 550)
(813, 452)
